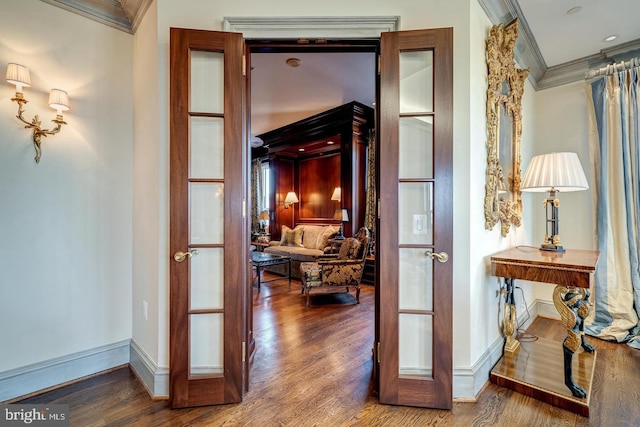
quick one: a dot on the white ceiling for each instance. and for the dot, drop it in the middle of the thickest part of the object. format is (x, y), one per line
(564, 37)
(281, 94)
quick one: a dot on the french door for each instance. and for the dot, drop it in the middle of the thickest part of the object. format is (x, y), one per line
(209, 231)
(208, 241)
(414, 324)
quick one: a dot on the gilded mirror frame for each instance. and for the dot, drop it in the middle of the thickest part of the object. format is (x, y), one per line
(502, 201)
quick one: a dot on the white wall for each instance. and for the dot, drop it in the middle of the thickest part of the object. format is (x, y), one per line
(65, 224)
(148, 190)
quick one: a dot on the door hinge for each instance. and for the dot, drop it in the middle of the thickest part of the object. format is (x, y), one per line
(244, 65)
(379, 64)
(378, 208)
(244, 351)
(378, 352)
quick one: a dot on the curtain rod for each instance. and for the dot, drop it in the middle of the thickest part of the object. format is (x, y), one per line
(612, 68)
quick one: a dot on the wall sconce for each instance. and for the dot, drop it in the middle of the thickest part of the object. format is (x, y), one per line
(337, 194)
(290, 199)
(18, 75)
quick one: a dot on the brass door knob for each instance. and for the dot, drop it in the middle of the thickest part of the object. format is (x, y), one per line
(442, 256)
(181, 256)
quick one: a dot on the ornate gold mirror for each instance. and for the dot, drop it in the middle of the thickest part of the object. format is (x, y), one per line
(502, 201)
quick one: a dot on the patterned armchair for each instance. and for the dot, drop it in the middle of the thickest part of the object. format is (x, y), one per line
(344, 269)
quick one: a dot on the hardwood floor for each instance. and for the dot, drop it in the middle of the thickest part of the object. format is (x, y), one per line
(313, 368)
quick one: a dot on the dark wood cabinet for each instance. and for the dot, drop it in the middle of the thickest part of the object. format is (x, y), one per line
(312, 157)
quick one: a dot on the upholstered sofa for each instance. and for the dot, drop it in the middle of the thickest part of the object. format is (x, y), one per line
(303, 244)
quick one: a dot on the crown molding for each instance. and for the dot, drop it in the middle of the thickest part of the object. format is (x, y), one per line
(527, 53)
(124, 15)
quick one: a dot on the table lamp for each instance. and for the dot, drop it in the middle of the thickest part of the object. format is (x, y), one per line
(264, 221)
(342, 216)
(554, 172)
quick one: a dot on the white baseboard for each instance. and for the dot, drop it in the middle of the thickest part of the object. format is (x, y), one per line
(155, 379)
(40, 376)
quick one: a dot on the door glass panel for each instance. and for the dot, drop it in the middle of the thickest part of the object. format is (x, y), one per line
(416, 345)
(415, 280)
(207, 279)
(206, 344)
(416, 81)
(206, 148)
(207, 212)
(207, 82)
(416, 147)
(415, 213)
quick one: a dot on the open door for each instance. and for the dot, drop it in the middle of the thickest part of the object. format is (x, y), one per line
(414, 301)
(208, 238)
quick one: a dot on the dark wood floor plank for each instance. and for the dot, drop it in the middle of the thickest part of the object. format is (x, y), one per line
(313, 368)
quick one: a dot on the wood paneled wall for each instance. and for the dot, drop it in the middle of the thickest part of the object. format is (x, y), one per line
(317, 179)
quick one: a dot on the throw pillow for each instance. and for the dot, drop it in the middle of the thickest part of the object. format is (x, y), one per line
(323, 238)
(349, 249)
(291, 237)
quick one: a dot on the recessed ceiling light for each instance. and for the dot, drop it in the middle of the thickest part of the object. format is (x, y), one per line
(293, 62)
(330, 142)
(301, 149)
(610, 38)
(574, 10)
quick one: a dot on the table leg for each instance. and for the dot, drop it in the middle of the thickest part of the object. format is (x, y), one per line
(510, 323)
(258, 274)
(289, 272)
(573, 306)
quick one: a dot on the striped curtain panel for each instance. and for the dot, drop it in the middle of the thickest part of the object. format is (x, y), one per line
(615, 155)
(256, 194)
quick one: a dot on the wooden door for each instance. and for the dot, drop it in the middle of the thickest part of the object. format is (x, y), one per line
(414, 304)
(208, 238)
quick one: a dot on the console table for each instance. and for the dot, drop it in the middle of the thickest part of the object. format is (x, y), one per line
(559, 373)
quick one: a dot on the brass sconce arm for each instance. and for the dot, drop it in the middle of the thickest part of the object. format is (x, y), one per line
(18, 75)
(36, 125)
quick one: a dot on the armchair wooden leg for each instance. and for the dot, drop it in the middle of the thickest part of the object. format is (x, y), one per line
(357, 294)
(307, 291)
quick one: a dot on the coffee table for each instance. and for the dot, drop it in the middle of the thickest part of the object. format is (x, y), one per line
(261, 259)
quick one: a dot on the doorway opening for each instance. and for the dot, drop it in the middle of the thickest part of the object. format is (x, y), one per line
(291, 80)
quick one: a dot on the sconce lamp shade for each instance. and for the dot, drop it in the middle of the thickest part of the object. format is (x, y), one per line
(559, 171)
(58, 100)
(341, 215)
(291, 197)
(264, 216)
(337, 194)
(18, 75)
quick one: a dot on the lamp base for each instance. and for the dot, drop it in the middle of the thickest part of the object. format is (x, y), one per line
(551, 248)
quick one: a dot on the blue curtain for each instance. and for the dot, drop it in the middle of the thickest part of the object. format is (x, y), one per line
(615, 156)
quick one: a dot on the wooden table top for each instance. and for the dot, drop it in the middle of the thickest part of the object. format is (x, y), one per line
(570, 268)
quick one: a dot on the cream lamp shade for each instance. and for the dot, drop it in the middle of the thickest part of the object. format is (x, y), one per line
(59, 100)
(18, 75)
(337, 194)
(291, 197)
(558, 171)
